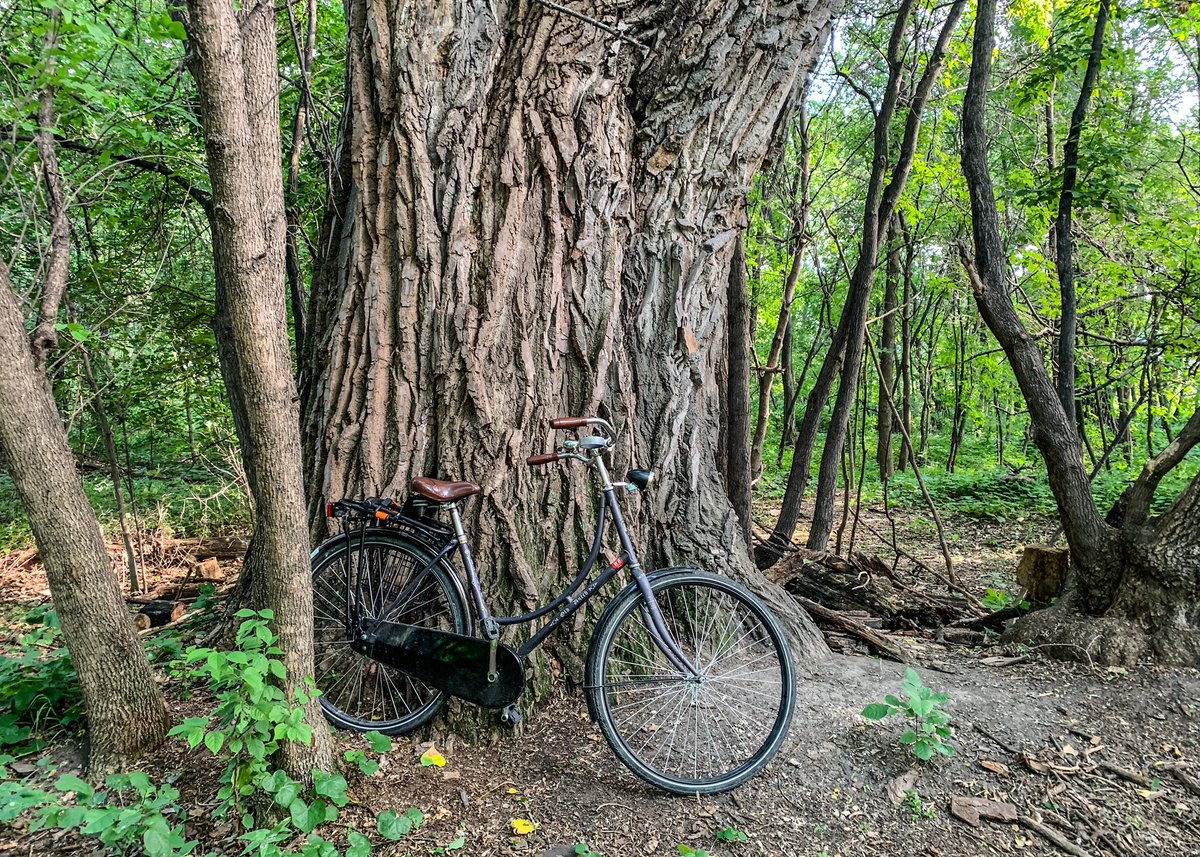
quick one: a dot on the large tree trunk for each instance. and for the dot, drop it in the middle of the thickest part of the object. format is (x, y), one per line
(127, 715)
(1133, 583)
(236, 67)
(540, 221)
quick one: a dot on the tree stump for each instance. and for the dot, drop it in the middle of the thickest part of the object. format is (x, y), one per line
(1042, 570)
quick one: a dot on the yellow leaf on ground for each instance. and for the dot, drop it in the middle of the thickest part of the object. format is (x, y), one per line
(522, 827)
(432, 758)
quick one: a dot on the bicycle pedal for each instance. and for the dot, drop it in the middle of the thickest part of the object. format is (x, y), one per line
(511, 715)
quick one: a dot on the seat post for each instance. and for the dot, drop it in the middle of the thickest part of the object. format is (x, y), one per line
(460, 536)
(459, 533)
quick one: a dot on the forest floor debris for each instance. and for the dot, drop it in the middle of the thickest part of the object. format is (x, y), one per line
(1103, 762)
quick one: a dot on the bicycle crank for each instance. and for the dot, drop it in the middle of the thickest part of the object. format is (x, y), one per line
(484, 672)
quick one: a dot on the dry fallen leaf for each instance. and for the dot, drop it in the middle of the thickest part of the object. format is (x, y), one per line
(432, 758)
(995, 767)
(522, 827)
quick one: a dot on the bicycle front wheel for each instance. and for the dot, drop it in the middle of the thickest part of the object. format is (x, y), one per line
(693, 734)
(390, 578)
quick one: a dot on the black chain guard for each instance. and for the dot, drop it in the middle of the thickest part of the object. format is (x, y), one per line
(451, 662)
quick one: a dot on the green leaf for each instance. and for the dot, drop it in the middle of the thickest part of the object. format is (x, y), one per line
(877, 711)
(72, 783)
(156, 840)
(923, 751)
(332, 787)
(214, 741)
(391, 826)
(360, 846)
(379, 743)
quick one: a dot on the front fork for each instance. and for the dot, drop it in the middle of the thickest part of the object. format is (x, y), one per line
(656, 627)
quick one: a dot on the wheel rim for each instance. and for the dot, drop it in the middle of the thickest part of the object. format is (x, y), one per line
(696, 730)
(354, 688)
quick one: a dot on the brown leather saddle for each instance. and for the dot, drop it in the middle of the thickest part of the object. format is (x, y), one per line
(443, 492)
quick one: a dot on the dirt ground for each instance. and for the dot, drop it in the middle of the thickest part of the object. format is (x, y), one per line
(1106, 761)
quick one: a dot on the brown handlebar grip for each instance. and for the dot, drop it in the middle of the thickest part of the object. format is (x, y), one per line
(546, 458)
(568, 422)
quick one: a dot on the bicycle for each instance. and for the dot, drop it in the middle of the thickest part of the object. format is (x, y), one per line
(688, 674)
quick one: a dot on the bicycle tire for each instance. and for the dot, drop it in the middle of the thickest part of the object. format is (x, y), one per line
(358, 693)
(733, 723)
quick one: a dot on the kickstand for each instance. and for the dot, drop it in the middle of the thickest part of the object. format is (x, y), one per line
(511, 715)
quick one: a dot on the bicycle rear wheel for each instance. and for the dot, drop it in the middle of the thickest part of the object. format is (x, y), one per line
(685, 734)
(385, 577)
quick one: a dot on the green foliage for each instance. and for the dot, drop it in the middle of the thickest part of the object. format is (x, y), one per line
(130, 816)
(688, 851)
(585, 850)
(731, 835)
(928, 731)
(394, 826)
(38, 686)
(252, 716)
(918, 810)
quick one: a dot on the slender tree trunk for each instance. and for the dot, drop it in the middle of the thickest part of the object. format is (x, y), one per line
(887, 354)
(880, 207)
(127, 715)
(775, 353)
(235, 68)
(114, 470)
(306, 51)
(58, 261)
(1132, 586)
(767, 373)
(1064, 260)
(540, 222)
(787, 412)
(906, 344)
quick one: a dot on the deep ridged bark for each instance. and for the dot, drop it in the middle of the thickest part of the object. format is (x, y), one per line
(539, 221)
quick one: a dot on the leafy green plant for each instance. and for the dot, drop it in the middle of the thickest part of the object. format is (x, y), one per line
(928, 731)
(585, 850)
(130, 816)
(688, 851)
(252, 715)
(251, 720)
(732, 835)
(38, 686)
(917, 808)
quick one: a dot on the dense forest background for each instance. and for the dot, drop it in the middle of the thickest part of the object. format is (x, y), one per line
(138, 361)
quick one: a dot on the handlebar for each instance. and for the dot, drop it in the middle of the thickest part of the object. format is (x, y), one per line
(580, 450)
(569, 422)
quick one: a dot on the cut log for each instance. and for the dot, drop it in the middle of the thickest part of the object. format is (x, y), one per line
(209, 569)
(826, 618)
(158, 613)
(186, 590)
(1042, 570)
(226, 548)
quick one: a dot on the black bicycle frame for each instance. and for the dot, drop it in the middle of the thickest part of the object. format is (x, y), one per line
(435, 538)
